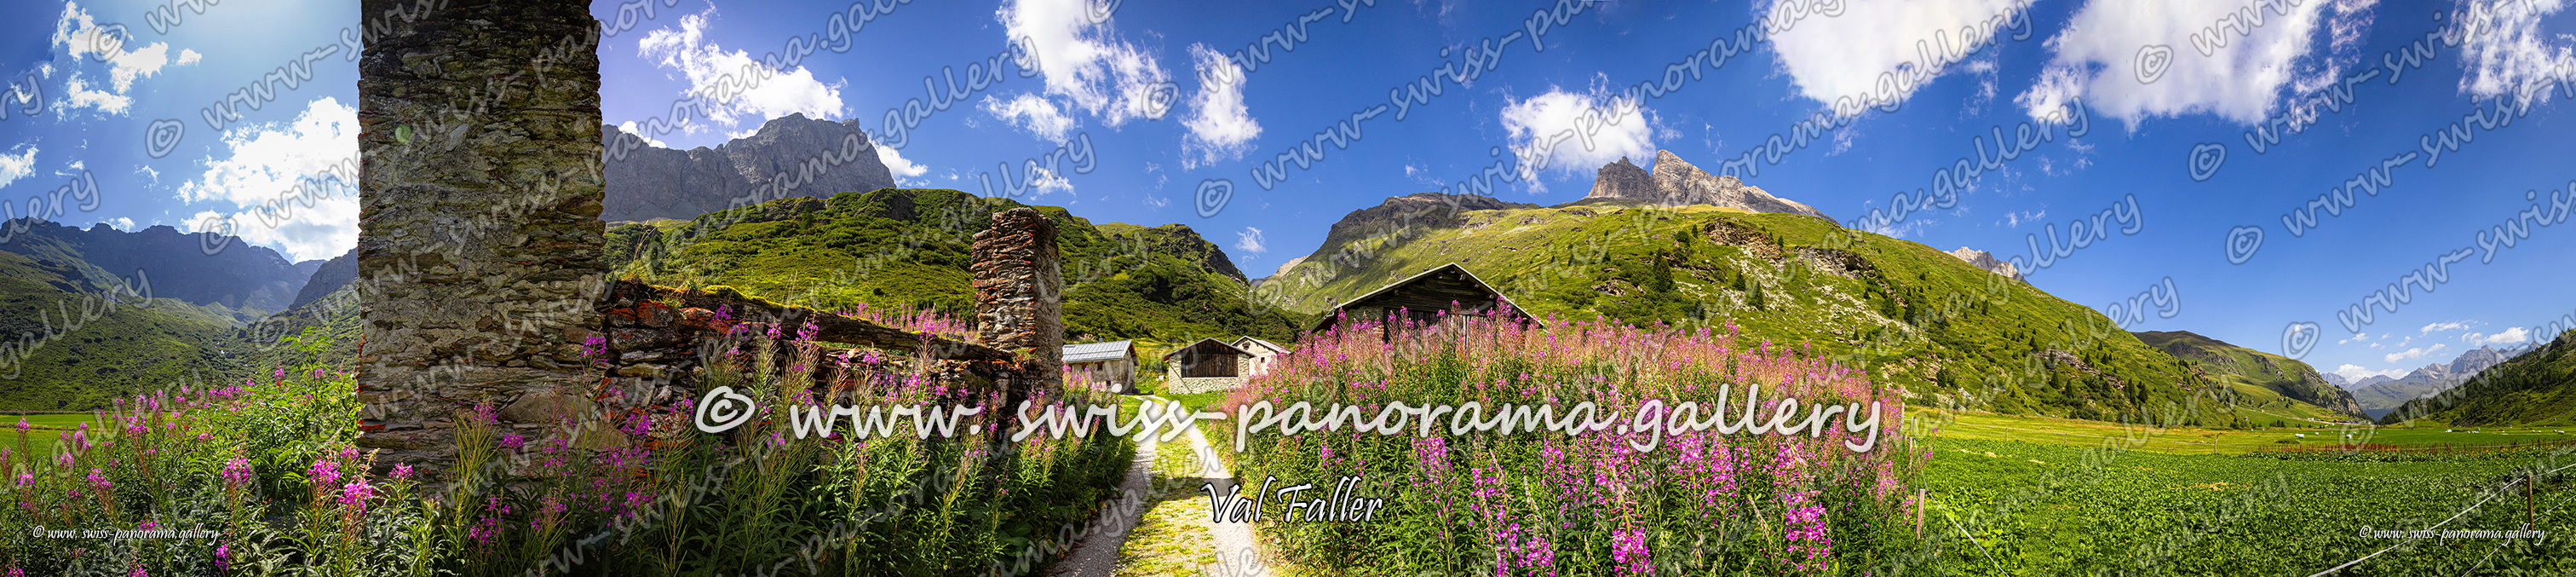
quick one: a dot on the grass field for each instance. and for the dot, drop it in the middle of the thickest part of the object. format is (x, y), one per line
(44, 428)
(2044, 496)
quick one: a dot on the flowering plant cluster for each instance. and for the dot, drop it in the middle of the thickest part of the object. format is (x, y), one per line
(1591, 504)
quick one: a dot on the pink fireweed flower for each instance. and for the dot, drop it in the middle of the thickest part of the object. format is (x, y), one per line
(513, 441)
(324, 472)
(224, 556)
(236, 472)
(402, 471)
(98, 481)
(354, 495)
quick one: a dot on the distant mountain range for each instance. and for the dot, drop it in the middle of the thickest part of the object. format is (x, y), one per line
(79, 338)
(2533, 385)
(2379, 394)
(815, 158)
(241, 277)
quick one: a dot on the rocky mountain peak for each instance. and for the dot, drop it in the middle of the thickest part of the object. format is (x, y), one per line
(1987, 261)
(1676, 182)
(789, 156)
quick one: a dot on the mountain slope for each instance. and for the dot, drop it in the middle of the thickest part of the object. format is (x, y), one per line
(82, 342)
(2239, 365)
(246, 279)
(1912, 315)
(2534, 388)
(1674, 182)
(904, 248)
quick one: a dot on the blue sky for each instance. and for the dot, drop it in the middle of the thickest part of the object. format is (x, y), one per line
(1150, 87)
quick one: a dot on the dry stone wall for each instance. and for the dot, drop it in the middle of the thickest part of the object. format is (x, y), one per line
(478, 219)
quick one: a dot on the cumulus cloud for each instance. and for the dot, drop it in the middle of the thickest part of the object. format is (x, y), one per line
(906, 172)
(2446, 326)
(1032, 113)
(2108, 54)
(1249, 240)
(1220, 127)
(80, 37)
(2503, 337)
(2507, 52)
(121, 223)
(736, 85)
(1832, 56)
(17, 166)
(1084, 61)
(2416, 353)
(629, 128)
(2355, 373)
(273, 159)
(1574, 132)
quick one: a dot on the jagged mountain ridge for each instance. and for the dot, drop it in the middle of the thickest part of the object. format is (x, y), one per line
(238, 275)
(648, 182)
(2533, 385)
(2379, 394)
(1675, 182)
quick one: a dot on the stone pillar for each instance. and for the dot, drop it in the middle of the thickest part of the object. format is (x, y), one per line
(1019, 293)
(479, 194)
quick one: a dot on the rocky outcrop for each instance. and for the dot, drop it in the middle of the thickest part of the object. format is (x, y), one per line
(790, 156)
(329, 276)
(1675, 182)
(1987, 261)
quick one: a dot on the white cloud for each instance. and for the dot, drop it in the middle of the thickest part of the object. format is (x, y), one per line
(2355, 373)
(16, 167)
(1832, 56)
(1031, 113)
(121, 223)
(1618, 128)
(2416, 353)
(1084, 61)
(735, 85)
(1220, 127)
(906, 173)
(148, 173)
(1249, 240)
(269, 160)
(80, 37)
(2503, 337)
(1045, 182)
(2446, 326)
(2510, 52)
(629, 128)
(2014, 219)
(2099, 56)
(2354, 337)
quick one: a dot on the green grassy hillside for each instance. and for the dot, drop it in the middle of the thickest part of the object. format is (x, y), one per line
(1952, 333)
(2537, 388)
(897, 248)
(78, 339)
(2298, 387)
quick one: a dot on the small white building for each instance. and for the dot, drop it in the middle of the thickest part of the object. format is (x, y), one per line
(1109, 366)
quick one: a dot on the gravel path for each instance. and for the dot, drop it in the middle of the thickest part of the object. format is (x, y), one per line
(1098, 553)
(1238, 553)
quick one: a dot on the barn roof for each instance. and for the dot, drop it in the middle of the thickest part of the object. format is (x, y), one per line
(1246, 343)
(1397, 293)
(1205, 341)
(1096, 352)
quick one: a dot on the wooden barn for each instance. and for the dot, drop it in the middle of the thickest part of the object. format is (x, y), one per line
(1423, 296)
(1204, 359)
(1107, 366)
